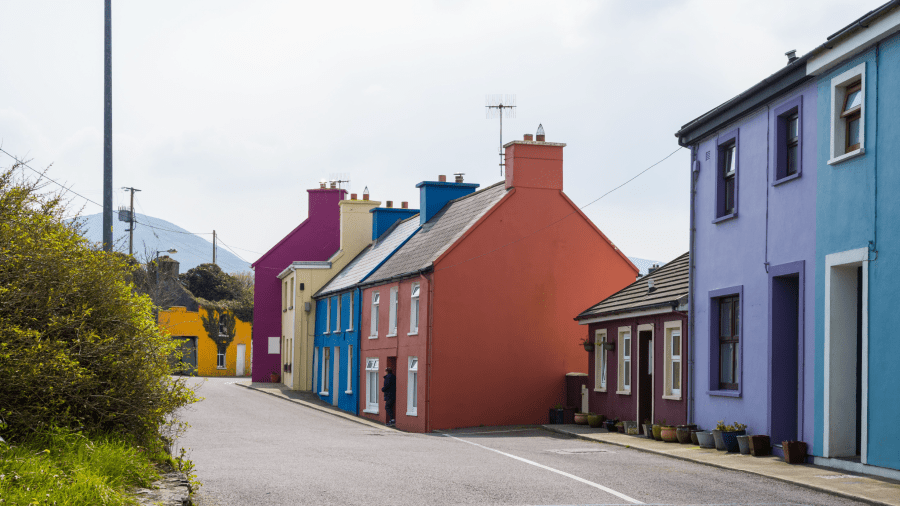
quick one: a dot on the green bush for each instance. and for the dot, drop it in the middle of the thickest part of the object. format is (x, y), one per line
(78, 346)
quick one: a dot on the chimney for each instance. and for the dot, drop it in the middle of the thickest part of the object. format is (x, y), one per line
(355, 223)
(533, 165)
(529, 137)
(321, 184)
(792, 55)
(458, 177)
(390, 204)
(434, 195)
(404, 205)
(352, 196)
(366, 193)
(333, 185)
(383, 218)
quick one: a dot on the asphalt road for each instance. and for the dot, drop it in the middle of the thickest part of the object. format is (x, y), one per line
(251, 448)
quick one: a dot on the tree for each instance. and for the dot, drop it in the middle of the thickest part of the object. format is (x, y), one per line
(79, 347)
(210, 282)
(220, 327)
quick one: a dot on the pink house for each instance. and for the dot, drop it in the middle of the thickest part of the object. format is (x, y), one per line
(316, 239)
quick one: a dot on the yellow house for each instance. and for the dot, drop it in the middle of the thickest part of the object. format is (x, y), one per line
(301, 280)
(214, 343)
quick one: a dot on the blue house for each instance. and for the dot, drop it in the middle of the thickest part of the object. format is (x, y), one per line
(858, 245)
(336, 343)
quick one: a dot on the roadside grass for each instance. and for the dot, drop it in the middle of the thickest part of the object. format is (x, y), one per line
(66, 467)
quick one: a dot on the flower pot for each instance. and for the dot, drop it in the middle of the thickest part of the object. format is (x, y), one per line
(595, 421)
(760, 446)
(275, 377)
(557, 416)
(648, 430)
(581, 418)
(794, 452)
(694, 438)
(588, 346)
(668, 434)
(683, 434)
(730, 440)
(610, 425)
(744, 444)
(705, 439)
(720, 443)
(631, 428)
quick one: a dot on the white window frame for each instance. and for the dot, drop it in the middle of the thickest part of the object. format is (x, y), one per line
(414, 310)
(839, 86)
(350, 318)
(290, 294)
(349, 370)
(371, 385)
(412, 387)
(672, 329)
(373, 323)
(315, 368)
(392, 314)
(337, 315)
(220, 360)
(328, 315)
(624, 349)
(326, 369)
(601, 366)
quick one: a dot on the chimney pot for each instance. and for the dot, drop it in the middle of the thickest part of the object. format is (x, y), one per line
(540, 133)
(458, 177)
(352, 196)
(322, 184)
(404, 205)
(529, 137)
(334, 184)
(442, 178)
(366, 193)
(390, 204)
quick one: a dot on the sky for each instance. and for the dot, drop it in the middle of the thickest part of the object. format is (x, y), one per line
(225, 112)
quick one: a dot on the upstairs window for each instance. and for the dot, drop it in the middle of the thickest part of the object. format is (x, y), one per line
(726, 176)
(848, 115)
(337, 314)
(414, 310)
(392, 315)
(350, 317)
(373, 332)
(327, 315)
(851, 114)
(788, 140)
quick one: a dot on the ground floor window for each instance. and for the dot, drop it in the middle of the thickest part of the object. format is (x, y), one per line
(600, 365)
(673, 360)
(220, 360)
(412, 389)
(371, 385)
(326, 358)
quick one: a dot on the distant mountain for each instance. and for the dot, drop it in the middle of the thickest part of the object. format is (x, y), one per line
(152, 234)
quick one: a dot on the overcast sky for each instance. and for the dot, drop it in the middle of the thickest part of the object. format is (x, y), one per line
(225, 112)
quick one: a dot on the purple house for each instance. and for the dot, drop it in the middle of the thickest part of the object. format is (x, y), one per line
(316, 239)
(753, 255)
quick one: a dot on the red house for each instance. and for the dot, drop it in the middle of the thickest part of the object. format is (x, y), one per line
(474, 312)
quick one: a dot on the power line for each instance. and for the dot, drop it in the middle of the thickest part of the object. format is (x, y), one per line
(42, 175)
(173, 231)
(231, 250)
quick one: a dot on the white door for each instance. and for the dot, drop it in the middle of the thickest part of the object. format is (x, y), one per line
(337, 375)
(241, 357)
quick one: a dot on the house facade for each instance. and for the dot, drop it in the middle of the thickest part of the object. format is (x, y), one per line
(336, 347)
(474, 312)
(636, 370)
(213, 342)
(315, 239)
(753, 254)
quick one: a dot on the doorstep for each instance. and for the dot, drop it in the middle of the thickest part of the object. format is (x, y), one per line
(872, 490)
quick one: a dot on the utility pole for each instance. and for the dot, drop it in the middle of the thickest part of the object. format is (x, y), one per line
(214, 246)
(107, 134)
(131, 220)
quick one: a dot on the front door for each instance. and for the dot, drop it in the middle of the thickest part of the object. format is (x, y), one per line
(645, 376)
(241, 358)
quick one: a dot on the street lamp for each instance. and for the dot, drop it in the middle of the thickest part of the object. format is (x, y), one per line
(171, 251)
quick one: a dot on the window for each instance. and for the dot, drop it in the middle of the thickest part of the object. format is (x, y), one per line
(290, 295)
(326, 358)
(350, 317)
(414, 310)
(274, 345)
(337, 314)
(327, 315)
(220, 360)
(848, 117)
(412, 387)
(600, 365)
(373, 332)
(726, 176)
(371, 385)
(729, 338)
(284, 286)
(624, 360)
(788, 140)
(349, 370)
(673, 343)
(392, 315)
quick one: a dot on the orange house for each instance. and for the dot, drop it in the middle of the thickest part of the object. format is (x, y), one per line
(214, 343)
(474, 312)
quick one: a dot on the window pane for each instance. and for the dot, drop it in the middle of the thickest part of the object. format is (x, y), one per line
(854, 99)
(729, 195)
(603, 369)
(793, 128)
(627, 373)
(728, 166)
(735, 317)
(676, 344)
(853, 131)
(725, 318)
(626, 346)
(415, 390)
(792, 157)
(726, 363)
(676, 375)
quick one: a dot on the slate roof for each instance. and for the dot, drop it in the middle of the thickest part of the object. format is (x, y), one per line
(439, 233)
(670, 286)
(371, 257)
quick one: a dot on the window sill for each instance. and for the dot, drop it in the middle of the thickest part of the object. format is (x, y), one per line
(350, 330)
(391, 335)
(374, 337)
(413, 333)
(726, 217)
(348, 392)
(786, 179)
(411, 413)
(846, 156)
(324, 393)
(623, 392)
(221, 368)
(724, 393)
(371, 411)
(672, 397)
(601, 390)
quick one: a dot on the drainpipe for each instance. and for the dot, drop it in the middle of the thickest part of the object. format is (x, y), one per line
(695, 174)
(428, 353)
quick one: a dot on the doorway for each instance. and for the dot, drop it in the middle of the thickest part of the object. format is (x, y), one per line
(241, 359)
(337, 376)
(846, 351)
(188, 348)
(786, 310)
(645, 374)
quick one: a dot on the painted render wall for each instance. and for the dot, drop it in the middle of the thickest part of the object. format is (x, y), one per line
(180, 322)
(342, 338)
(315, 239)
(775, 224)
(857, 201)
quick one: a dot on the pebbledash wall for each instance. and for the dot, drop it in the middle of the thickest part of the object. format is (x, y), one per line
(770, 238)
(315, 239)
(858, 254)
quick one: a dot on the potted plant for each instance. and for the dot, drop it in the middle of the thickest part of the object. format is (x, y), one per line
(668, 433)
(620, 426)
(705, 439)
(717, 435)
(794, 452)
(683, 433)
(274, 377)
(648, 428)
(694, 438)
(631, 427)
(730, 434)
(760, 446)
(595, 421)
(657, 429)
(744, 444)
(556, 415)
(581, 418)
(588, 344)
(611, 425)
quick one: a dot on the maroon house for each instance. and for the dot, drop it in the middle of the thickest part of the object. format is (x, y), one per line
(638, 369)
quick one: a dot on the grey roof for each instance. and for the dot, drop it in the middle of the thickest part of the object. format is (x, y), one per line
(670, 284)
(371, 257)
(439, 233)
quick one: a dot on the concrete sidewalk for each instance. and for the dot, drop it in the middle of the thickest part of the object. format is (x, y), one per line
(308, 399)
(859, 487)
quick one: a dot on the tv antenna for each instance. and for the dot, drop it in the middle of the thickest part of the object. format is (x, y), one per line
(337, 179)
(497, 106)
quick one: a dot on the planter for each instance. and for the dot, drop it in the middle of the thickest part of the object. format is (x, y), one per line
(720, 443)
(556, 416)
(631, 428)
(610, 425)
(683, 434)
(275, 377)
(705, 439)
(581, 418)
(588, 346)
(648, 430)
(794, 452)
(760, 446)
(596, 421)
(744, 444)
(694, 438)
(668, 434)
(730, 440)
(656, 432)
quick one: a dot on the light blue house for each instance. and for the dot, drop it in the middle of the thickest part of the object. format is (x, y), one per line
(858, 245)
(336, 344)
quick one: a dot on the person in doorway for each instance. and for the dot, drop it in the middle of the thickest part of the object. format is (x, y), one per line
(390, 395)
